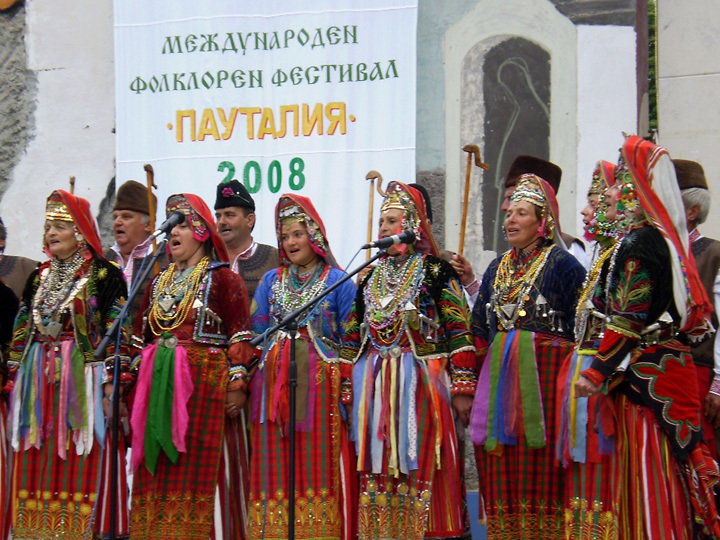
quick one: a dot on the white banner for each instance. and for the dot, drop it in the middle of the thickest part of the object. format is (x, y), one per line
(292, 96)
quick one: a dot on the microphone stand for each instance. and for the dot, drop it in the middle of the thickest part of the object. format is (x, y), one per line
(115, 403)
(289, 322)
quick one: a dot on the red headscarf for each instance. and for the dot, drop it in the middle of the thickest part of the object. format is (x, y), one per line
(603, 177)
(301, 208)
(414, 215)
(79, 210)
(200, 218)
(655, 183)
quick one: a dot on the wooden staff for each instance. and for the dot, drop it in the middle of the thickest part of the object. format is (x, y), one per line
(72, 185)
(470, 149)
(372, 175)
(150, 182)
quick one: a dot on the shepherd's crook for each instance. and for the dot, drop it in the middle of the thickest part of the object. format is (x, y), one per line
(470, 149)
(372, 175)
(150, 181)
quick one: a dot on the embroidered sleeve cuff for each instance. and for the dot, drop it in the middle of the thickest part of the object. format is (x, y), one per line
(473, 287)
(237, 337)
(715, 386)
(126, 376)
(463, 387)
(593, 376)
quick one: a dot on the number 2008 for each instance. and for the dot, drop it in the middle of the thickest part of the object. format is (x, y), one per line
(253, 175)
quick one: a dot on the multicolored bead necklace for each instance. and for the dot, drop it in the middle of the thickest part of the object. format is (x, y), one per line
(391, 286)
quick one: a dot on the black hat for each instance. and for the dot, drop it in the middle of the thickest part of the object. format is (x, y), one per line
(233, 193)
(524, 164)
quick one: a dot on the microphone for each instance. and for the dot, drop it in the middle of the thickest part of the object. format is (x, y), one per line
(407, 237)
(176, 218)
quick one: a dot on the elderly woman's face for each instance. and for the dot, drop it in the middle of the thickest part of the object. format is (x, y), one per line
(522, 225)
(390, 222)
(60, 239)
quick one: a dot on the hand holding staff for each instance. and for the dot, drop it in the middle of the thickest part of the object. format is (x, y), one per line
(372, 175)
(470, 149)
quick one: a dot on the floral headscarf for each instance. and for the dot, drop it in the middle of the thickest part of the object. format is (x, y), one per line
(299, 209)
(408, 199)
(200, 219)
(533, 189)
(64, 206)
(652, 174)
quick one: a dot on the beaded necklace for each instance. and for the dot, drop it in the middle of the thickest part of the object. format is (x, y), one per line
(174, 296)
(585, 306)
(294, 289)
(58, 284)
(509, 292)
(390, 288)
(55, 290)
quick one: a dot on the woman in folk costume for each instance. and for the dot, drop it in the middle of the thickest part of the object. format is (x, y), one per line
(586, 434)
(523, 319)
(56, 423)
(663, 474)
(323, 475)
(410, 340)
(195, 331)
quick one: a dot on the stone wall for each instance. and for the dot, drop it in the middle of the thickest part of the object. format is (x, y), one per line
(18, 86)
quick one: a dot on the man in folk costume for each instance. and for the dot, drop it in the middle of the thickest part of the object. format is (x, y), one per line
(235, 215)
(133, 246)
(552, 174)
(706, 251)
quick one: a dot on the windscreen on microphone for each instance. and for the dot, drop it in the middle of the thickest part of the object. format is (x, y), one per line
(175, 219)
(406, 237)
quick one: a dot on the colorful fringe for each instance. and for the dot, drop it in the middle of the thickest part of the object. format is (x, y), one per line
(407, 449)
(521, 486)
(57, 427)
(585, 447)
(508, 401)
(324, 506)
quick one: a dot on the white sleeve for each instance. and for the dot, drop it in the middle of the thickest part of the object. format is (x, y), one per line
(577, 250)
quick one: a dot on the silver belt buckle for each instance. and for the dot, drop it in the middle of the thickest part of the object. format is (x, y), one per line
(169, 343)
